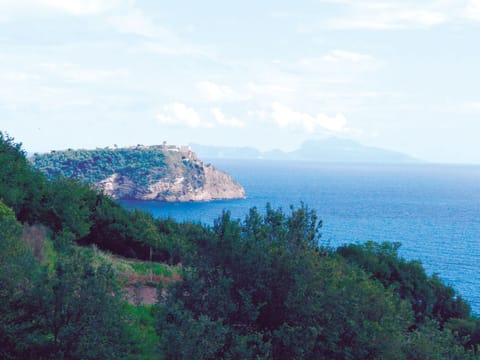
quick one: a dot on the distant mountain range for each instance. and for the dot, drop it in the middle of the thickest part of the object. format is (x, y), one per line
(325, 150)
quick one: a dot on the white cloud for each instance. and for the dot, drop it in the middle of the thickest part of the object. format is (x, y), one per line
(178, 114)
(31, 94)
(285, 117)
(216, 92)
(336, 56)
(80, 7)
(269, 89)
(396, 14)
(72, 7)
(472, 11)
(223, 121)
(336, 66)
(135, 22)
(123, 16)
(470, 107)
(375, 15)
(78, 74)
(339, 58)
(384, 21)
(17, 76)
(175, 46)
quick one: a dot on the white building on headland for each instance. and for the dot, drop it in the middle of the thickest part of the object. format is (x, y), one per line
(183, 149)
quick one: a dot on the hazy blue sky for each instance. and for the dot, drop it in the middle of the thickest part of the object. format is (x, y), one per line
(403, 75)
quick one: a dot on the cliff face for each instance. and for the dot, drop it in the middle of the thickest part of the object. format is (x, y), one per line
(143, 173)
(208, 184)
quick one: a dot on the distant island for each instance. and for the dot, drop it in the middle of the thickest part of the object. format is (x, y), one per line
(160, 172)
(325, 150)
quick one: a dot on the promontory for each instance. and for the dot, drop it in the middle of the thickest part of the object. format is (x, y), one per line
(159, 172)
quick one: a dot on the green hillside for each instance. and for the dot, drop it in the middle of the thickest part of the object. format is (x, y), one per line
(161, 173)
(256, 288)
(141, 164)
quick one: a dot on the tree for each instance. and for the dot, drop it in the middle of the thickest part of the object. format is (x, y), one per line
(429, 342)
(268, 292)
(18, 331)
(86, 313)
(21, 187)
(429, 297)
(75, 312)
(69, 207)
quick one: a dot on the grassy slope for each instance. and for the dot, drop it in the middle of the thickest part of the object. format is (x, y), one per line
(141, 273)
(132, 268)
(131, 272)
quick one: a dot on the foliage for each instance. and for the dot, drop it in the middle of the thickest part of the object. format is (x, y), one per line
(467, 331)
(143, 333)
(429, 342)
(141, 164)
(74, 312)
(134, 267)
(429, 297)
(21, 188)
(81, 299)
(75, 212)
(263, 288)
(17, 266)
(69, 206)
(267, 291)
(92, 166)
(257, 288)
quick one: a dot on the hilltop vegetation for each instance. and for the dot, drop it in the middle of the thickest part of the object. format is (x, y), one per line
(91, 166)
(260, 287)
(142, 172)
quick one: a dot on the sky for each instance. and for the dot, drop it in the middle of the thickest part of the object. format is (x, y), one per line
(401, 75)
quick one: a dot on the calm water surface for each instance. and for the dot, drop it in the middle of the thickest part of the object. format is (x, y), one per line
(431, 209)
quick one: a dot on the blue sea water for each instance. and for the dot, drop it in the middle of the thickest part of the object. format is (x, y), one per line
(433, 210)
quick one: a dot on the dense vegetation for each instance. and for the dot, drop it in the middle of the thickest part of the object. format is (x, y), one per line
(141, 164)
(261, 287)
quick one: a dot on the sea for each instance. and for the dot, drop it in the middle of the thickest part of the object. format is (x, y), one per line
(432, 210)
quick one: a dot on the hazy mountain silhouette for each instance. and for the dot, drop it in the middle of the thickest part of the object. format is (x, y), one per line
(325, 150)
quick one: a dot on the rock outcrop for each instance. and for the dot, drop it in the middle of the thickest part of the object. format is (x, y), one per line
(206, 184)
(161, 173)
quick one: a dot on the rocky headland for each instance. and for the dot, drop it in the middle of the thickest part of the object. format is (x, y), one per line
(161, 173)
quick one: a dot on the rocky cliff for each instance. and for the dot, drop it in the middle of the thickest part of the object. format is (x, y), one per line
(179, 184)
(143, 172)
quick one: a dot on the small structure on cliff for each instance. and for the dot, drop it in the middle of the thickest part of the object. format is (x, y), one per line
(162, 173)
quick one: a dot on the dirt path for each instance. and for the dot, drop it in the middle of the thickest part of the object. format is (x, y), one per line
(142, 289)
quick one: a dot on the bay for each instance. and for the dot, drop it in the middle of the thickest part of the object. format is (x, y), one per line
(433, 210)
